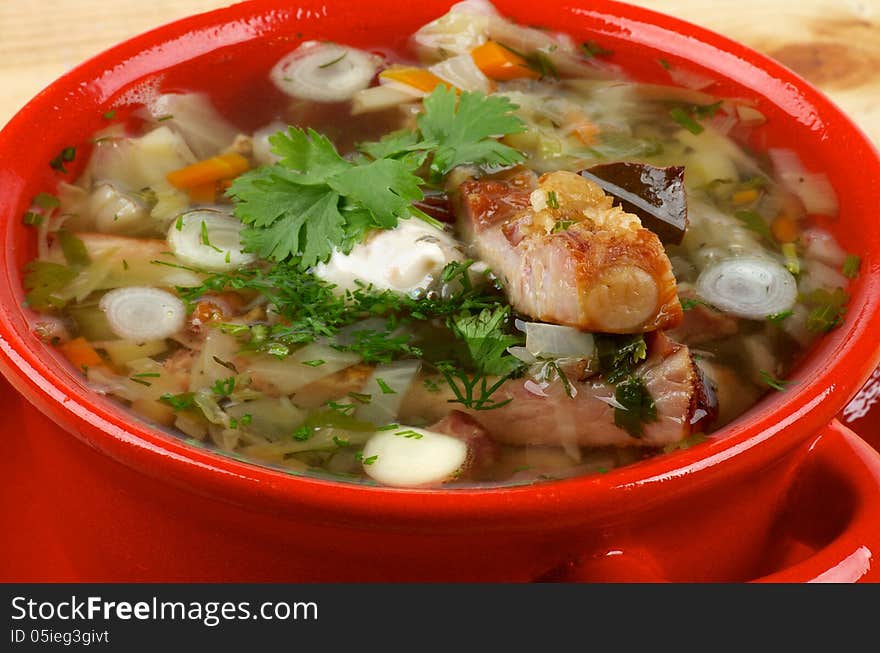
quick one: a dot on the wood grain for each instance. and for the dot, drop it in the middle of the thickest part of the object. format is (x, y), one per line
(833, 43)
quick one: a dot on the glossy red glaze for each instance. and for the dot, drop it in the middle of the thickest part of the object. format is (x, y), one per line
(778, 494)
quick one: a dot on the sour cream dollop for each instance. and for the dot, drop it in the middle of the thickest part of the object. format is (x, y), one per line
(407, 259)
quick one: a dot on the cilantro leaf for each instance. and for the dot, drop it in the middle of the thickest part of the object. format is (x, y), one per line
(310, 154)
(386, 188)
(286, 219)
(395, 144)
(314, 201)
(464, 128)
(483, 334)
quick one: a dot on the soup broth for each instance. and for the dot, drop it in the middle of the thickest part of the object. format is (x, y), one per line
(491, 258)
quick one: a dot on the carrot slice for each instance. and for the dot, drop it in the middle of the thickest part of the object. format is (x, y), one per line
(500, 64)
(209, 171)
(784, 229)
(80, 352)
(745, 196)
(203, 194)
(418, 78)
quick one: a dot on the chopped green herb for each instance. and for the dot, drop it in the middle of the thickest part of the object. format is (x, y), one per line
(182, 401)
(689, 303)
(477, 316)
(340, 420)
(314, 363)
(341, 442)
(851, 265)
(552, 201)
(246, 419)
(381, 346)
(74, 249)
(110, 115)
(665, 64)
(541, 63)
(707, 110)
(484, 335)
(561, 225)
(179, 223)
(680, 116)
(361, 397)
(44, 280)
(277, 349)
(124, 264)
(344, 409)
(46, 201)
(753, 182)
(32, 219)
(772, 381)
(779, 318)
(388, 427)
(147, 375)
(334, 61)
(303, 433)
(66, 155)
(637, 407)
(592, 49)
(828, 309)
(431, 385)
(224, 387)
(165, 117)
(756, 223)
(366, 461)
(472, 391)
(410, 434)
(203, 237)
(570, 392)
(619, 355)
(140, 381)
(522, 468)
(384, 387)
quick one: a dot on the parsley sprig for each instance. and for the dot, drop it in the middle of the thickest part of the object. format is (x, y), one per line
(314, 200)
(455, 130)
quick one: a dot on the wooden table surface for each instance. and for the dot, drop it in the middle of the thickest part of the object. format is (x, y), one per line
(833, 43)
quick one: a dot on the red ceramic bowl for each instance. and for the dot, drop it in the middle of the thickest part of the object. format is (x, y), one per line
(783, 494)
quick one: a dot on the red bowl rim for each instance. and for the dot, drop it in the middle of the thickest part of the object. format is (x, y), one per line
(767, 434)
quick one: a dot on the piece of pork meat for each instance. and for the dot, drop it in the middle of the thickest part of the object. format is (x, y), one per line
(566, 255)
(546, 415)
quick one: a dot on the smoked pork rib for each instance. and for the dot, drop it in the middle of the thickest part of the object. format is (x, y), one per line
(565, 255)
